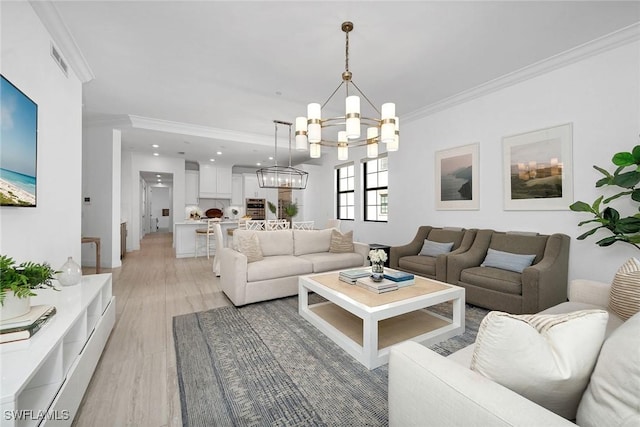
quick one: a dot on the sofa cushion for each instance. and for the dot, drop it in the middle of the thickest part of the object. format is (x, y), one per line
(277, 266)
(507, 260)
(624, 297)
(493, 278)
(519, 244)
(340, 242)
(327, 261)
(546, 358)
(612, 397)
(311, 241)
(273, 242)
(433, 249)
(249, 245)
(418, 263)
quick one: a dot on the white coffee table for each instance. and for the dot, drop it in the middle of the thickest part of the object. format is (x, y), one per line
(366, 324)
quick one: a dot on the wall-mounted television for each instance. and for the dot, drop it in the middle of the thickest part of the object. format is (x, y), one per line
(18, 146)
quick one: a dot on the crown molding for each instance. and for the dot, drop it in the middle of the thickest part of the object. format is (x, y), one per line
(51, 19)
(120, 121)
(608, 42)
(147, 123)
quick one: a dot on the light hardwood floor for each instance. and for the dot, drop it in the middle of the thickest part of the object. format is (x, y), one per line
(135, 383)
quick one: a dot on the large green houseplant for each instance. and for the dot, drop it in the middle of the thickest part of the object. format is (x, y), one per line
(24, 278)
(626, 178)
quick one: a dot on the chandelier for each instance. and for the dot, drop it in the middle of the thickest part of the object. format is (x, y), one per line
(282, 176)
(313, 128)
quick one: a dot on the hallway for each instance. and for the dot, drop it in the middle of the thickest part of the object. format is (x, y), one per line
(135, 383)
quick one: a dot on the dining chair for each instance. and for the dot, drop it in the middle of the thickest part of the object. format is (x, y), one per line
(206, 234)
(303, 225)
(217, 231)
(256, 224)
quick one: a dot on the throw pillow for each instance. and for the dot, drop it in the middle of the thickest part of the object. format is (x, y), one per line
(547, 358)
(612, 396)
(249, 245)
(431, 248)
(341, 242)
(507, 260)
(624, 297)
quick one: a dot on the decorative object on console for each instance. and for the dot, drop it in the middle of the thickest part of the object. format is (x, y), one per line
(538, 173)
(70, 273)
(385, 129)
(16, 331)
(282, 176)
(377, 257)
(457, 172)
(18, 282)
(623, 229)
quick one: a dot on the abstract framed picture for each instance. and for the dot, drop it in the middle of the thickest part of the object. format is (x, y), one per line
(456, 178)
(18, 146)
(538, 169)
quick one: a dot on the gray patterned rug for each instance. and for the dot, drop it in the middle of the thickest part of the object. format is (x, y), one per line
(263, 365)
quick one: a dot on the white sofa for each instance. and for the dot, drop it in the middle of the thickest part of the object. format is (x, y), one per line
(427, 389)
(287, 255)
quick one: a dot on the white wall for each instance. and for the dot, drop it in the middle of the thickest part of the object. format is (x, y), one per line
(51, 231)
(136, 163)
(599, 95)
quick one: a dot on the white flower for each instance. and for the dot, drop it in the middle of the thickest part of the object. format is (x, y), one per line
(377, 256)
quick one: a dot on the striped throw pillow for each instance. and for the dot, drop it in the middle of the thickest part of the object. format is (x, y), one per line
(624, 297)
(340, 242)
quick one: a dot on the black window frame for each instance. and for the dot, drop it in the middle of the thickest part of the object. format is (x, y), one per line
(340, 191)
(378, 188)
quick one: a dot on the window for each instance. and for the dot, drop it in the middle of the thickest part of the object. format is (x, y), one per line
(345, 190)
(376, 193)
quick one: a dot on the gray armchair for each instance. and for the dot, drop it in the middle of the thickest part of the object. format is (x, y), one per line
(407, 257)
(536, 288)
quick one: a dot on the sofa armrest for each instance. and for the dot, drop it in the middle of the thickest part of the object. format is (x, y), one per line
(425, 387)
(589, 292)
(233, 275)
(362, 249)
(411, 248)
(545, 283)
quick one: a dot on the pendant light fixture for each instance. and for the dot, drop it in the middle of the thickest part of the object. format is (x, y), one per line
(282, 176)
(311, 130)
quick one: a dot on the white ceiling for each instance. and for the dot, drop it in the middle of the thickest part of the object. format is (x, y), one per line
(226, 69)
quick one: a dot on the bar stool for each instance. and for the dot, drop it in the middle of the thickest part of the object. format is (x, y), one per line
(208, 234)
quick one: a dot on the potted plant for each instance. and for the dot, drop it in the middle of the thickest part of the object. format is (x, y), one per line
(291, 210)
(18, 282)
(272, 208)
(627, 178)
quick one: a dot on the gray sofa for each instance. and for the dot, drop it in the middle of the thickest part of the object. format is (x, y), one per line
(537, 287)
(407, 257)
(287, 255)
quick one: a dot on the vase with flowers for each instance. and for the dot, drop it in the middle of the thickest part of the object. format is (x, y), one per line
(377, 257)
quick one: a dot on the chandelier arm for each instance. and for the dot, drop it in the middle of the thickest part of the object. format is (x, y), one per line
(365, 97)
(331, 96)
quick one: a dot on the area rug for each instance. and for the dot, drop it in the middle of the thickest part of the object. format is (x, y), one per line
(263, 364)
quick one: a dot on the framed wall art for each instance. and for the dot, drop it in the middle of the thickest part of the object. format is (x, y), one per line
(538, 169)
(457, 178)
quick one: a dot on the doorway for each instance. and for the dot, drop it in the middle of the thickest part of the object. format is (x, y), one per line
(157, 202)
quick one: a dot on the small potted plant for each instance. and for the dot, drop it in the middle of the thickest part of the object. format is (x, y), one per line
(290, 211)
(377, 257)
(17, 285)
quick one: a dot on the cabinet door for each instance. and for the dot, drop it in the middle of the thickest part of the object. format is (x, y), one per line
(191, 187)
(224, 182)
(236, 190)
(208, 181)
(251, 188)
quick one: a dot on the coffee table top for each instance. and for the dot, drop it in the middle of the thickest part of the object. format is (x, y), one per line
(422, 286)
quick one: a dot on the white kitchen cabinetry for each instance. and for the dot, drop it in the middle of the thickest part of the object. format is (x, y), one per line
(46, 375)
(192, 192)
(215, 182)
(236, 190)
(253, 191)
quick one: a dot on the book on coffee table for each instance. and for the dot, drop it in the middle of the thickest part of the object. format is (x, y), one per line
(350, 276)
(385, 285)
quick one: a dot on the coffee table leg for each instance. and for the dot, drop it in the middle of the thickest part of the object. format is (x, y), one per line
(303, 298)
(458, 312)
(370, 343)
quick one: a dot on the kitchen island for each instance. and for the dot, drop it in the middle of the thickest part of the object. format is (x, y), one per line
(184, 236)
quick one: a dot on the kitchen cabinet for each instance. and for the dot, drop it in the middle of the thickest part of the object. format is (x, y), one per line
(215, 182)
(236, 190)
(192, 191)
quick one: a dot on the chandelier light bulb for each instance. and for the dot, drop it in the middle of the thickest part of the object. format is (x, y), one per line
(314, 124)
(314, 150)
(388, 128)
(352, 108)
(301, 133)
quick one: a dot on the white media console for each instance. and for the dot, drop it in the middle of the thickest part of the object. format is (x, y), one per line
(45, 377)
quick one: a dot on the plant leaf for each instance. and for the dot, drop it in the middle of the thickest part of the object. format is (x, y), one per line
(581, 207)
(623, 159)
(588, 233)
(636, 154)
(615, 196)
(607, 241)
(627, 179)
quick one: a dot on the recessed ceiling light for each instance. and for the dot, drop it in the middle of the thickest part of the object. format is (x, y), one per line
(270, 157)
(159, 180)
(258, 164)
(158, 176)
(156, 154)
(155, 145)
(219, 153)
(212, 160)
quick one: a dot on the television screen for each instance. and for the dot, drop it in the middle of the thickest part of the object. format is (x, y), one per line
(18, 146)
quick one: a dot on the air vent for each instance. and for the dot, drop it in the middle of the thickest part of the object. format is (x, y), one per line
(59, 60)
